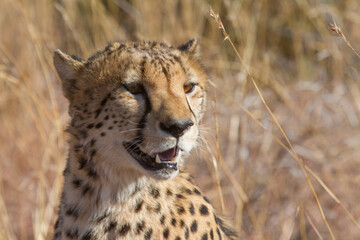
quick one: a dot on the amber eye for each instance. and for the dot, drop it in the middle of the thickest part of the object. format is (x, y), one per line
(189, 88)
(134, 88)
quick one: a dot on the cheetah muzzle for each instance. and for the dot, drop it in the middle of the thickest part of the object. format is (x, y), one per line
(163, 161)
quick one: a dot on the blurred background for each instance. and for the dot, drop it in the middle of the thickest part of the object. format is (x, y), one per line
(306, 73)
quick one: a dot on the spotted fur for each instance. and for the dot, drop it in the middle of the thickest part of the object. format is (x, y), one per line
(132, 94)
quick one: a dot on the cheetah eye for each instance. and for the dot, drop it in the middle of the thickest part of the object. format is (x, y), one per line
(189, 88)
(134, 88)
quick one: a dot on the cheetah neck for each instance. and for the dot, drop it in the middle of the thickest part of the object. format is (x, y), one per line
(92, 182)
(98, 204)
(99, 186)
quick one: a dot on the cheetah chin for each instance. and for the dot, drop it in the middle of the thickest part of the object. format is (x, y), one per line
(166, 160)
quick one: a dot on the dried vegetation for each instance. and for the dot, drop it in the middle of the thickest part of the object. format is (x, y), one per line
(302, 65)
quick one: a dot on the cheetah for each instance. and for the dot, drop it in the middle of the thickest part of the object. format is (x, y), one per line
(135, 111)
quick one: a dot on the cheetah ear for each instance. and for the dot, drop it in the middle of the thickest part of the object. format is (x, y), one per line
(191, 47)
(69, 68)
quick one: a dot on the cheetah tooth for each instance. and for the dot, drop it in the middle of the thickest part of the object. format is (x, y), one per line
(157, 158)
(175, 159)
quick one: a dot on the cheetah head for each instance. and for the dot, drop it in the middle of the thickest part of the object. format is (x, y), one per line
(135, 107)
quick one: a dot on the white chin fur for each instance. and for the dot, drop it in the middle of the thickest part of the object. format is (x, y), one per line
(163, 175)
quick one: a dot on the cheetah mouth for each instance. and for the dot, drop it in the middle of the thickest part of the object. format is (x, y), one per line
(158, 161)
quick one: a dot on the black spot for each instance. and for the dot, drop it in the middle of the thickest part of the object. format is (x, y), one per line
(87, 189)
(142, 67)
(162, 219)
(57, 235)
(181, 210)
(139, 227)
(187, 233)
(92, 173)
(87, 236)
(73, 211)
(155, 192)
(180, 196)
(103, 102)
(218, 232)
(82, 162)
(93, 152)
(103, 134)
(106, 117)
(169, 192)
(149, 208)
(57, 223)
(90, 126)
(110, 127)
(83, 133)
(124, 229)
(192, 209)
(204, 210)
(182, 223)
(217, 220)
(139, 205)
(211, 234)
(111, 226)
(99, 125)
(97, 112)
(178, 238)
(173, 222)
(166, 233)
(228, 232)
(206, 199)
(77, 182)
(157, 209)
(194, 226)
(148, 234)
(72, 233)
(103, 216)
(204, 236)
(77, 147)
(187, 191)
(196, 191)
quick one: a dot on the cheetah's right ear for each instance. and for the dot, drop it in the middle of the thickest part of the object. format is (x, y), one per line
(69, 68)
(191, 47)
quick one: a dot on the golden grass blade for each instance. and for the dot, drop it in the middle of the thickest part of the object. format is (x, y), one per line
(219, 160)
(333, 196)
(339, 32)
(313, 226)
(240, 191)
(227, 37)
(286, 148)
(323, 184)
(300, 213)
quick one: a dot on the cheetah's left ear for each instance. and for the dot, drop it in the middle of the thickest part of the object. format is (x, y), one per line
(191, 47)
(69, 69)
(67, 66)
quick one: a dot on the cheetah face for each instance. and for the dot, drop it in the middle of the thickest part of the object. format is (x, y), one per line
(146, 101)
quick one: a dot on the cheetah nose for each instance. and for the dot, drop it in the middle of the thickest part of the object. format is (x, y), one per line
(176, 128)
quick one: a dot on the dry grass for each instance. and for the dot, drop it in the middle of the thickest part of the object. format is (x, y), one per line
(307, 75)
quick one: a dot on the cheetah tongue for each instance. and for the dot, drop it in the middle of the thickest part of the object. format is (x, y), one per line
(167, 155)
